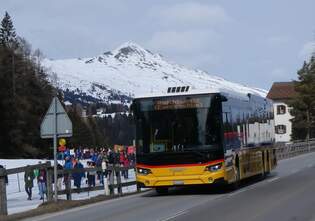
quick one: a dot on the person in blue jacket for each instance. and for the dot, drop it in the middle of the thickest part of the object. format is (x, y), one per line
(77, 177)
(67, 153)
(94, 157)
(68, 165)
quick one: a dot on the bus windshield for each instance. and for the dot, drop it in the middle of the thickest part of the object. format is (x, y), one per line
(182, 124)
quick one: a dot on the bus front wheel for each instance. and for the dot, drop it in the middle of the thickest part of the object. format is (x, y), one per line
(161, 190)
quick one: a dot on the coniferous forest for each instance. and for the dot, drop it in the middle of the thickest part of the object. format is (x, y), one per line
(25, 93)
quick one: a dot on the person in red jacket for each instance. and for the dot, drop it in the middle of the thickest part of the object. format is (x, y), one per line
(126, 165)
(124, 162)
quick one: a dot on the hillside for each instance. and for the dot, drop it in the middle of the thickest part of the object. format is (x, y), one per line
(117, 76)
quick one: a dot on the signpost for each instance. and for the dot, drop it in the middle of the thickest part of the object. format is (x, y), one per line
(56, 124)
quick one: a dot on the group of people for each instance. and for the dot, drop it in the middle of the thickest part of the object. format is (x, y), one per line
(40, 176)
(103, 158)
(90, 153)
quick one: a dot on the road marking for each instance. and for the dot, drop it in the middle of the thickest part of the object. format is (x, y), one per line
(273, 179)
(182, 212)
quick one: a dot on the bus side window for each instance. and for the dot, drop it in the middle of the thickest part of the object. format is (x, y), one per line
(228, 129)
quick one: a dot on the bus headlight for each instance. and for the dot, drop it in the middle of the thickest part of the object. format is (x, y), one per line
(214, 167)
(143, 171)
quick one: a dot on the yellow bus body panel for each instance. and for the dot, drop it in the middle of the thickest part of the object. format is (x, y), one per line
(172, 176)
(252, 162)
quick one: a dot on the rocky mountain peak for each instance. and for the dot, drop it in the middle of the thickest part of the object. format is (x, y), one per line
(130, 49)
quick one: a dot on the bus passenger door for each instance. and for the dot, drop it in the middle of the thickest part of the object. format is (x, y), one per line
(229, 154)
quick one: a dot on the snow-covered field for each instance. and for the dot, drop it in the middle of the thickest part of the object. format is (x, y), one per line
(17, 197)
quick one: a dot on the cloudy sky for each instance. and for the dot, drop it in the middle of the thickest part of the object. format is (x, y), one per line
(246, 41)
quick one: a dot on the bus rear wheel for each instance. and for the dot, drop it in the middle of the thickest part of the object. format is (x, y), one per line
(263, 173)
(161, 190)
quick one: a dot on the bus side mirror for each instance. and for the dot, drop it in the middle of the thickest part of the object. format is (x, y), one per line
(223, 98)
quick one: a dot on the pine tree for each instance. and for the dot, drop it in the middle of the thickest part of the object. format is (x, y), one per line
(7, 32)
(303, 104)
(25, 95)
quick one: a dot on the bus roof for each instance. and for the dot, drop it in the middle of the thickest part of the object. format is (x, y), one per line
(227, 93)
(165, 94)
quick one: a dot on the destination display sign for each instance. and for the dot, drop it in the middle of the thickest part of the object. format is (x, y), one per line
(178, 104)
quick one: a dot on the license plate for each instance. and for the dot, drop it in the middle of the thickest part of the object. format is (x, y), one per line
(178, 182)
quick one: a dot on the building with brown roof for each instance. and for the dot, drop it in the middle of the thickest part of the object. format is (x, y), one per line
(281, 93)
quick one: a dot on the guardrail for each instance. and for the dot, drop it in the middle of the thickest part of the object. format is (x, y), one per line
(285, 151)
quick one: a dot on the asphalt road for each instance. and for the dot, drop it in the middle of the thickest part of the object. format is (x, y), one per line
(288, 193)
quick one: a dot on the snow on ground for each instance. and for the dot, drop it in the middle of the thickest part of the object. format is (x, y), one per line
(17, 197)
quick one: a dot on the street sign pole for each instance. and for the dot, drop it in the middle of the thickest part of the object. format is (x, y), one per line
(55, 124)
(55, 150)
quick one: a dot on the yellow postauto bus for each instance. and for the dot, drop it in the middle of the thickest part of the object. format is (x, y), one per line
(194, 138)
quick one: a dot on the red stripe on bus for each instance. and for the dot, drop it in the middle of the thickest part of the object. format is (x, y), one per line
(180, 165)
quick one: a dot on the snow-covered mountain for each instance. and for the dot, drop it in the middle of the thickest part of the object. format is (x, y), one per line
(130, 71)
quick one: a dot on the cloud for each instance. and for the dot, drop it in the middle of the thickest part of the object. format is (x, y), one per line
(188, 41)
(189, 32)
(279, 73)
(278, 40)
(206, 62)
(191, 14)
(307, 50)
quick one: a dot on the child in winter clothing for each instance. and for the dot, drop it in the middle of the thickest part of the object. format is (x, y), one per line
(42, 180)
(91, 174)
(28, 180)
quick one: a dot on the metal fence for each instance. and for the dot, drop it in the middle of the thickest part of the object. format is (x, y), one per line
(113, 184)
(112, 180)
(288, 150)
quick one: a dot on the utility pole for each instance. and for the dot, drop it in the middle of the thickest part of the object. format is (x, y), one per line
(56, 123)
(13, 75)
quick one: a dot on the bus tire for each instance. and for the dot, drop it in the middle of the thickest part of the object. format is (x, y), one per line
(236, 184)
(263, 174)
(268, 164)
(161, 190)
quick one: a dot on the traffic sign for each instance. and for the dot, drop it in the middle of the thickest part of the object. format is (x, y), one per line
(56, 124)
(56, 116)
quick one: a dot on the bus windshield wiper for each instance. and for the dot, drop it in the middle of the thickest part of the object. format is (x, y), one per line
(203, 156)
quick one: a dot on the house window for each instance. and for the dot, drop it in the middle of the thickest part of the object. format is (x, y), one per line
(281, 109)
(281, 129)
